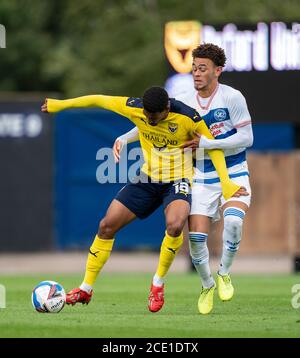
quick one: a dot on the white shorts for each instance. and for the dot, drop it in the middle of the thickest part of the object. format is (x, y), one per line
(207, 198)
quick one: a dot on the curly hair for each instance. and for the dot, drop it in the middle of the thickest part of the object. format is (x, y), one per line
(155, 99)
(215, 53)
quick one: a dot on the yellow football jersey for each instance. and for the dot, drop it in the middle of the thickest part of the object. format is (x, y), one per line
(165, 160)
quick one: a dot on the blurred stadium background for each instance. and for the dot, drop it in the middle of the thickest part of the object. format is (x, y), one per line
(51, 202)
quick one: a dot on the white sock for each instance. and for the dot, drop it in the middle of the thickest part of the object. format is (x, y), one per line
(232, 233)
(85, 287)
(200, 257)
(157, 281)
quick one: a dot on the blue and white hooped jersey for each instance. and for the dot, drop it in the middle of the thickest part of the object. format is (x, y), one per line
(223, 112)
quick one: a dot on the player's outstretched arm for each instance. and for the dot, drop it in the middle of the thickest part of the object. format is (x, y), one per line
(112, 103)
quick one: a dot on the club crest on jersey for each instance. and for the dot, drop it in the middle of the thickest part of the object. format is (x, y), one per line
(220, 114)
(173, 127)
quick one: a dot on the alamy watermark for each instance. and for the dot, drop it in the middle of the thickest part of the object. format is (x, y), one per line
(2, 36)
(295, 301)
(2, 297)
(162, 163)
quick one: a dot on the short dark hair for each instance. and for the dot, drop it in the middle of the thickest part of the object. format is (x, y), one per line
(155, 99)
(215, 53)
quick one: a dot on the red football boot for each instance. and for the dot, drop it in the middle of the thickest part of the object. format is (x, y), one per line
(78, 296)
(156, 298)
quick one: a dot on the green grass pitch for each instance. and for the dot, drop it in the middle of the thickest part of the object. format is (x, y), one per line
(261, 307)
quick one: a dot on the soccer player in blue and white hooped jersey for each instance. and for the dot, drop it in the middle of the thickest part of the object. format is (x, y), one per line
(225, 112)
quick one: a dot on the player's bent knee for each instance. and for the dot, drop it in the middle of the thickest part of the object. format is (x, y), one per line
(233, 222)
(174, 228)
(106, 229)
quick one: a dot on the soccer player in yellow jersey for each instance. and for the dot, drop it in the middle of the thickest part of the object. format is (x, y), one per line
(164, 125)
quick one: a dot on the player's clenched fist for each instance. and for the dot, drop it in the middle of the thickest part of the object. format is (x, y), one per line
(44, 106)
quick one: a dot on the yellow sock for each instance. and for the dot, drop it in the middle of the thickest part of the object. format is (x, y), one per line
(99, 254)
(169, 248)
